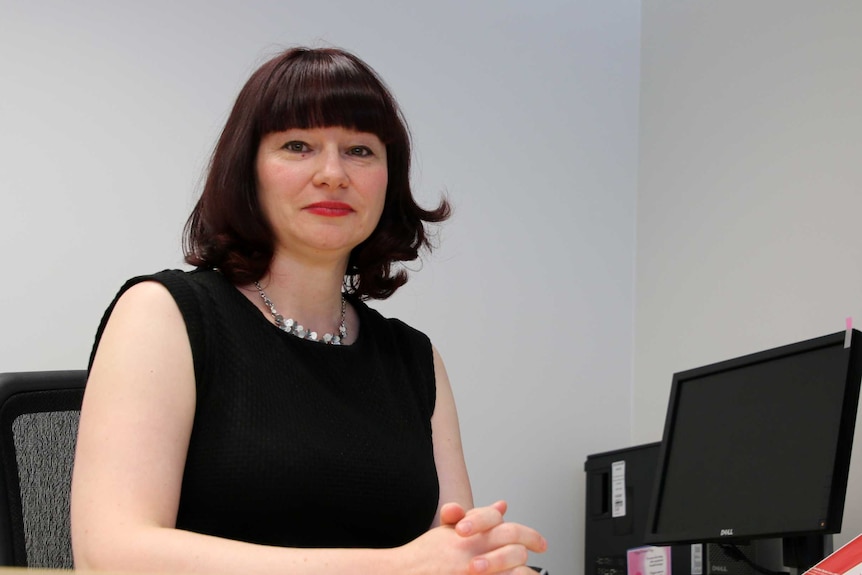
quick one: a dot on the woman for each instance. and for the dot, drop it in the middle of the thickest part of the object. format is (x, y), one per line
(218, 435)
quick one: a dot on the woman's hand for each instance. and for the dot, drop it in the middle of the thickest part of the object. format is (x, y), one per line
(474, 542)
(476, 520)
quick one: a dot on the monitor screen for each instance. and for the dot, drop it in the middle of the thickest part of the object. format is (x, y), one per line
(759, 446)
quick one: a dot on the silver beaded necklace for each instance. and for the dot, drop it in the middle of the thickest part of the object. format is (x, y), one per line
(298, 330)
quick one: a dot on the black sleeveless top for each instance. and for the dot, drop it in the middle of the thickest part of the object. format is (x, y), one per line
(300, 444)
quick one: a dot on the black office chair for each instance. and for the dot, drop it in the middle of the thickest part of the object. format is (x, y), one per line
(39, 414)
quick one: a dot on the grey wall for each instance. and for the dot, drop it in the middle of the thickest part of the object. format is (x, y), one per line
(525, 114)
(749, 190)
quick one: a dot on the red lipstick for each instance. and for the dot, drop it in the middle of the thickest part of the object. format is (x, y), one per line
(330, 209)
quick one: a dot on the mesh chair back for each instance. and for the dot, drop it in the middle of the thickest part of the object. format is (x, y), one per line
(38, 428)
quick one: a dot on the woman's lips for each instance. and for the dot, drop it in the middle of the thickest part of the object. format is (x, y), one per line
(330, 209)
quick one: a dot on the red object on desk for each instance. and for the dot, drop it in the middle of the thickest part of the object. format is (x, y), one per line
(846, 561)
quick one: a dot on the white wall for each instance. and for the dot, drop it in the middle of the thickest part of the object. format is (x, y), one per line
(524, 113)
(749, 190)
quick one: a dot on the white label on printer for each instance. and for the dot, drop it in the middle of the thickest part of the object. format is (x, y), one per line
(697, 559)
(618, 489)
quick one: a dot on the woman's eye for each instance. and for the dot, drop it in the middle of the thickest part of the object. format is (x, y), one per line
(361, 151)
(296, 146)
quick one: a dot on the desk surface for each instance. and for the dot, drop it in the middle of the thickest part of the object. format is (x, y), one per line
(28, 571)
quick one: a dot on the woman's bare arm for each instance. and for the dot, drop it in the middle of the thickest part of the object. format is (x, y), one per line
(448, 451)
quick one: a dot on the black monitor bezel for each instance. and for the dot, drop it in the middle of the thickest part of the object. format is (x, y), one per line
(832, 523)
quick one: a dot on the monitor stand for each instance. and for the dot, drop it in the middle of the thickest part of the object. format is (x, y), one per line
(804, 552)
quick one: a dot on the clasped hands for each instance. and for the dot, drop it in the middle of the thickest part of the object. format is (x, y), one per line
(479, 542)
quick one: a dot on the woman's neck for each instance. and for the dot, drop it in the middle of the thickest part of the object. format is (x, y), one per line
(310, 294)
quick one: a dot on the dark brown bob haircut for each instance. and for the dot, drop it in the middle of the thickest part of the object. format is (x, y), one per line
(307, 88)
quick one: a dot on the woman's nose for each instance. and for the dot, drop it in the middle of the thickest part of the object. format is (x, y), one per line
(330, 170)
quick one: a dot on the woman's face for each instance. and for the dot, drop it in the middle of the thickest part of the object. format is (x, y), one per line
(321, 189)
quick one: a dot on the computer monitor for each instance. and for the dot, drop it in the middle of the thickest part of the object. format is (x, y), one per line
(759, 446)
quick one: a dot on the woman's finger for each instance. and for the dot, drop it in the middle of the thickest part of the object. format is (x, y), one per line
(479, 520)
(451, 513)
(499, 560)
